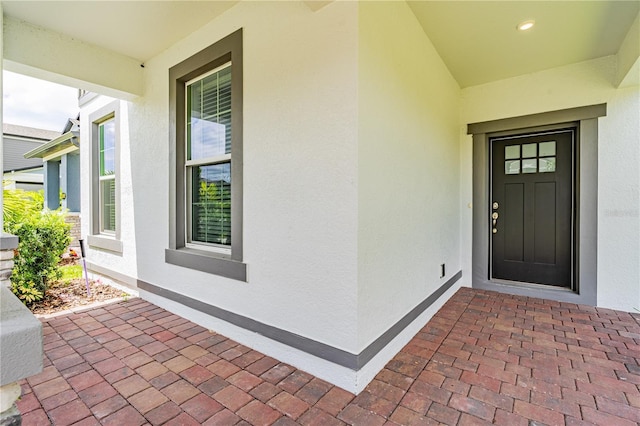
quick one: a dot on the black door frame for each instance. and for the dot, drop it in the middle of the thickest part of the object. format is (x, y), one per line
(585, 120)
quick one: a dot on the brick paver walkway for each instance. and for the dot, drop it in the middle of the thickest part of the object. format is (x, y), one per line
(484, 358)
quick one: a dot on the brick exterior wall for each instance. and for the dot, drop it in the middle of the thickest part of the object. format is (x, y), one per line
(74, 220)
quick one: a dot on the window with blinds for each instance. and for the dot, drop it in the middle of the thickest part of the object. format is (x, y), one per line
(107, 176)
(208, 158)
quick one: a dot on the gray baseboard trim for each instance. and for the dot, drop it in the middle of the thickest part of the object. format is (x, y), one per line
(116, 276)
(321, 350)
(377, 345)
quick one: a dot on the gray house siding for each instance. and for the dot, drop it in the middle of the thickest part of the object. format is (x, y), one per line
(14, 150)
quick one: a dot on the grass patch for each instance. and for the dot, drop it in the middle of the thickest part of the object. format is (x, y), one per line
(70, 272)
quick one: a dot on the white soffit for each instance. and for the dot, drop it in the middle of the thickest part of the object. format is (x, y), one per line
(137, 29)
(479, 43)
(477, 40)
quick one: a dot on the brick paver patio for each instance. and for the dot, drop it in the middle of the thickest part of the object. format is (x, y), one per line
(484, 358)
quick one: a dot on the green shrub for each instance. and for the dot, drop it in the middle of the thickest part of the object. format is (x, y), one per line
(43, 238)
(27, 293)
(15, 202)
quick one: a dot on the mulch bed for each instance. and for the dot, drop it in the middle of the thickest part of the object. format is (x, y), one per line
(62, 296)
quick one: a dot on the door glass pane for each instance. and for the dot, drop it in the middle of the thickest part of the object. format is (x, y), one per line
(512, 151)
(530, 165)
(211, 204)
(547, 165)
(512, 167)
(547, 148)
(529, 150)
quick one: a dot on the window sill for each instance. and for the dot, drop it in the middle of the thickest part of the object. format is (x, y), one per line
(105, 243)
(209, 262)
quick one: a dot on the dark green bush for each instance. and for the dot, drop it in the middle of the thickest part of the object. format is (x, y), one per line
(44, 237)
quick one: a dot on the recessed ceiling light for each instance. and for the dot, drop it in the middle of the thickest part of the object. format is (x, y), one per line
(526, 25)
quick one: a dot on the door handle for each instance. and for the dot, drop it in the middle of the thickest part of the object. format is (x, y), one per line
(494, 217)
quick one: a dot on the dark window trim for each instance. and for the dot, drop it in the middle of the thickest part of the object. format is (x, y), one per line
(225, 50)
(97, 239)
(585, 119)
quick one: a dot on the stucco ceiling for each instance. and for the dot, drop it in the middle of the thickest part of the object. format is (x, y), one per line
(476, 39)
(479, 42)
(138, 29)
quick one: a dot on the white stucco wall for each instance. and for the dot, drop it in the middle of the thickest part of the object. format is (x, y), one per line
(619, 202)
(343, 98)
(408, 215)
(357, 175)
(581, 84)
(300, 170)
(124, 263)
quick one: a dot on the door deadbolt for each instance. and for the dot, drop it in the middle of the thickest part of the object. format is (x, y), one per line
(494, 216)
(495, 205)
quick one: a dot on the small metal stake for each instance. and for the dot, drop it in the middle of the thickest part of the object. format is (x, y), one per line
(84, 266)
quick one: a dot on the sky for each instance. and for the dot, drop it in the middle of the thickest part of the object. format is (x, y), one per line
(37, 103)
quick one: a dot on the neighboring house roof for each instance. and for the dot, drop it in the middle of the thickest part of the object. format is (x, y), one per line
(20, 139)
(58, 142)
(63, 141)
(28, 132)
(73, 124)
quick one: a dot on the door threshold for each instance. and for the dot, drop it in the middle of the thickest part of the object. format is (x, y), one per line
(508, 283)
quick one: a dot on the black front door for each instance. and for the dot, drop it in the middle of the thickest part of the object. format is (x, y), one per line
(531, 211)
